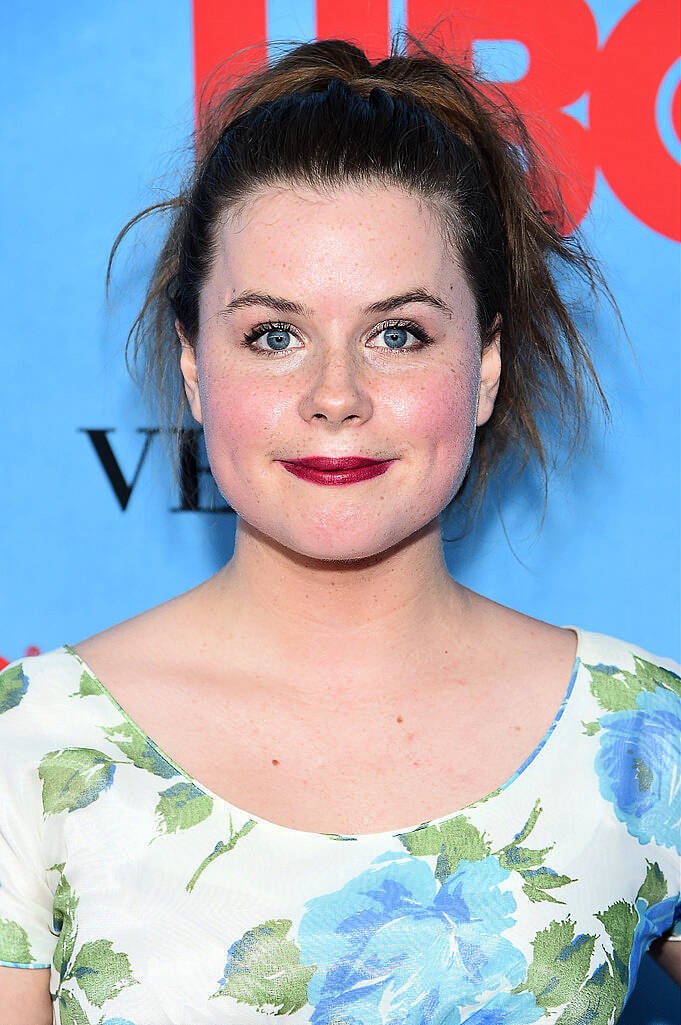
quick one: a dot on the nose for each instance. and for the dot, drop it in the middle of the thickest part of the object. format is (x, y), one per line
(337, 393)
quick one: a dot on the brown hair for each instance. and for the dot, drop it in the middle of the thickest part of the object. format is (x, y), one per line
(324, 115)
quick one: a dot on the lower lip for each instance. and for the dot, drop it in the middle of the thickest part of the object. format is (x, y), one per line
(335, 478)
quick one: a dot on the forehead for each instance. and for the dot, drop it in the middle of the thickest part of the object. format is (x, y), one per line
(368, 237)
(369, 199)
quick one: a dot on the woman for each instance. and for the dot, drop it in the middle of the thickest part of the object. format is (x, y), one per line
(357, 289)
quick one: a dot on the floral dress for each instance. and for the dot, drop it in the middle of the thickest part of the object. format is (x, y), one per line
(156, 902)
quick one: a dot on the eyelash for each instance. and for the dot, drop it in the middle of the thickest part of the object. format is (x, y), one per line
(261, 329)
(422, 337)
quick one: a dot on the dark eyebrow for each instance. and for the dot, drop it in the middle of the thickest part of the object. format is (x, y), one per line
(275, 302)
(418, 295)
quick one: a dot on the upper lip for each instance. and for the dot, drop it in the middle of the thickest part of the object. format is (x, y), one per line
(331, 463)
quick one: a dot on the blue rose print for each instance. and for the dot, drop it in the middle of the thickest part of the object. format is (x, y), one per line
(504, 1009)
(393, 946)
(639, 767)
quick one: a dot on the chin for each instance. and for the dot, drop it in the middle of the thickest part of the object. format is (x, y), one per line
(345, 553)
(342, 544)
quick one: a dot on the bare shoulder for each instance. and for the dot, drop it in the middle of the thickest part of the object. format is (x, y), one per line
(513, 643)
(160, 642)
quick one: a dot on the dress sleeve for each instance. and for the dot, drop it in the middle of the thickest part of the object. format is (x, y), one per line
(26, 937)
(635, 722)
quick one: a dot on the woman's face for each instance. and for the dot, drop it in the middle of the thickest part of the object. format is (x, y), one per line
(338, 326)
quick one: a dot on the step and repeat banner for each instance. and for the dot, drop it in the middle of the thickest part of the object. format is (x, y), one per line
(97, 119)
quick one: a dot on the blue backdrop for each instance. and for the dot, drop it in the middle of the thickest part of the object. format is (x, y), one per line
(98, 104)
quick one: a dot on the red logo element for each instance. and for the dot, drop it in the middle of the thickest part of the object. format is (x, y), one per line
(620, 80)
(30, 650)
(361, 21)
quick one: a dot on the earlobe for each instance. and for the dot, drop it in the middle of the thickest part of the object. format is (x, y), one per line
(490, 375)
(189, 374)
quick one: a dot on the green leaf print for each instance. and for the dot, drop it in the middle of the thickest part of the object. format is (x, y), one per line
(532, 820)
(601, 998)
(14, 945)
(263, 969)
(74, 778)
(182, 806)
(70, 1011)
(529, 863)
(539, 880)
(139, 750)
(101, 972)
(89, 685)
(654, 676)
(595, 1002)
(536, 894)
(222, 847)
(515, 858)
(451, 841)
(616, 689)
(620, 921)
(65, 905)
(591, 728)
(654, 887)
(13, 686)
(560, 964)
(644, 775)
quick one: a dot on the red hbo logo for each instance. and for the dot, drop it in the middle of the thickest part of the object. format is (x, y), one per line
(621, 81)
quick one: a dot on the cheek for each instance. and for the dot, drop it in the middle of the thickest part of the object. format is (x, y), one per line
(442, 427)
(227, 420)
(239, 416)
(441, 411)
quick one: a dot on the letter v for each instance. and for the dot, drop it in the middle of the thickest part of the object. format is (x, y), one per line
(109, 463)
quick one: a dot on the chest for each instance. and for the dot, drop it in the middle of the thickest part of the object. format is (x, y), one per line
(351, 762)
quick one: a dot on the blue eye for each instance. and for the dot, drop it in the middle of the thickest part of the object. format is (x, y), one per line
(272, 338)
(396, 337)
(278, 338)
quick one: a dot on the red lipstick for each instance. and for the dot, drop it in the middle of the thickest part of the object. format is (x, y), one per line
(327, 471)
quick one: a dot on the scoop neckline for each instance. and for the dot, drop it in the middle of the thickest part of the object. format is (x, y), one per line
(392, 833)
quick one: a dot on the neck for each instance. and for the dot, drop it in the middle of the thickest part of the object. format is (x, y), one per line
(365, 615)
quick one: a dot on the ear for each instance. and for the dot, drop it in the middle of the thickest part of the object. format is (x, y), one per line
(189, 373)
(490, 374)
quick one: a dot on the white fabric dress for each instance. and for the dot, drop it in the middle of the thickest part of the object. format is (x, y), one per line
(156, 902)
